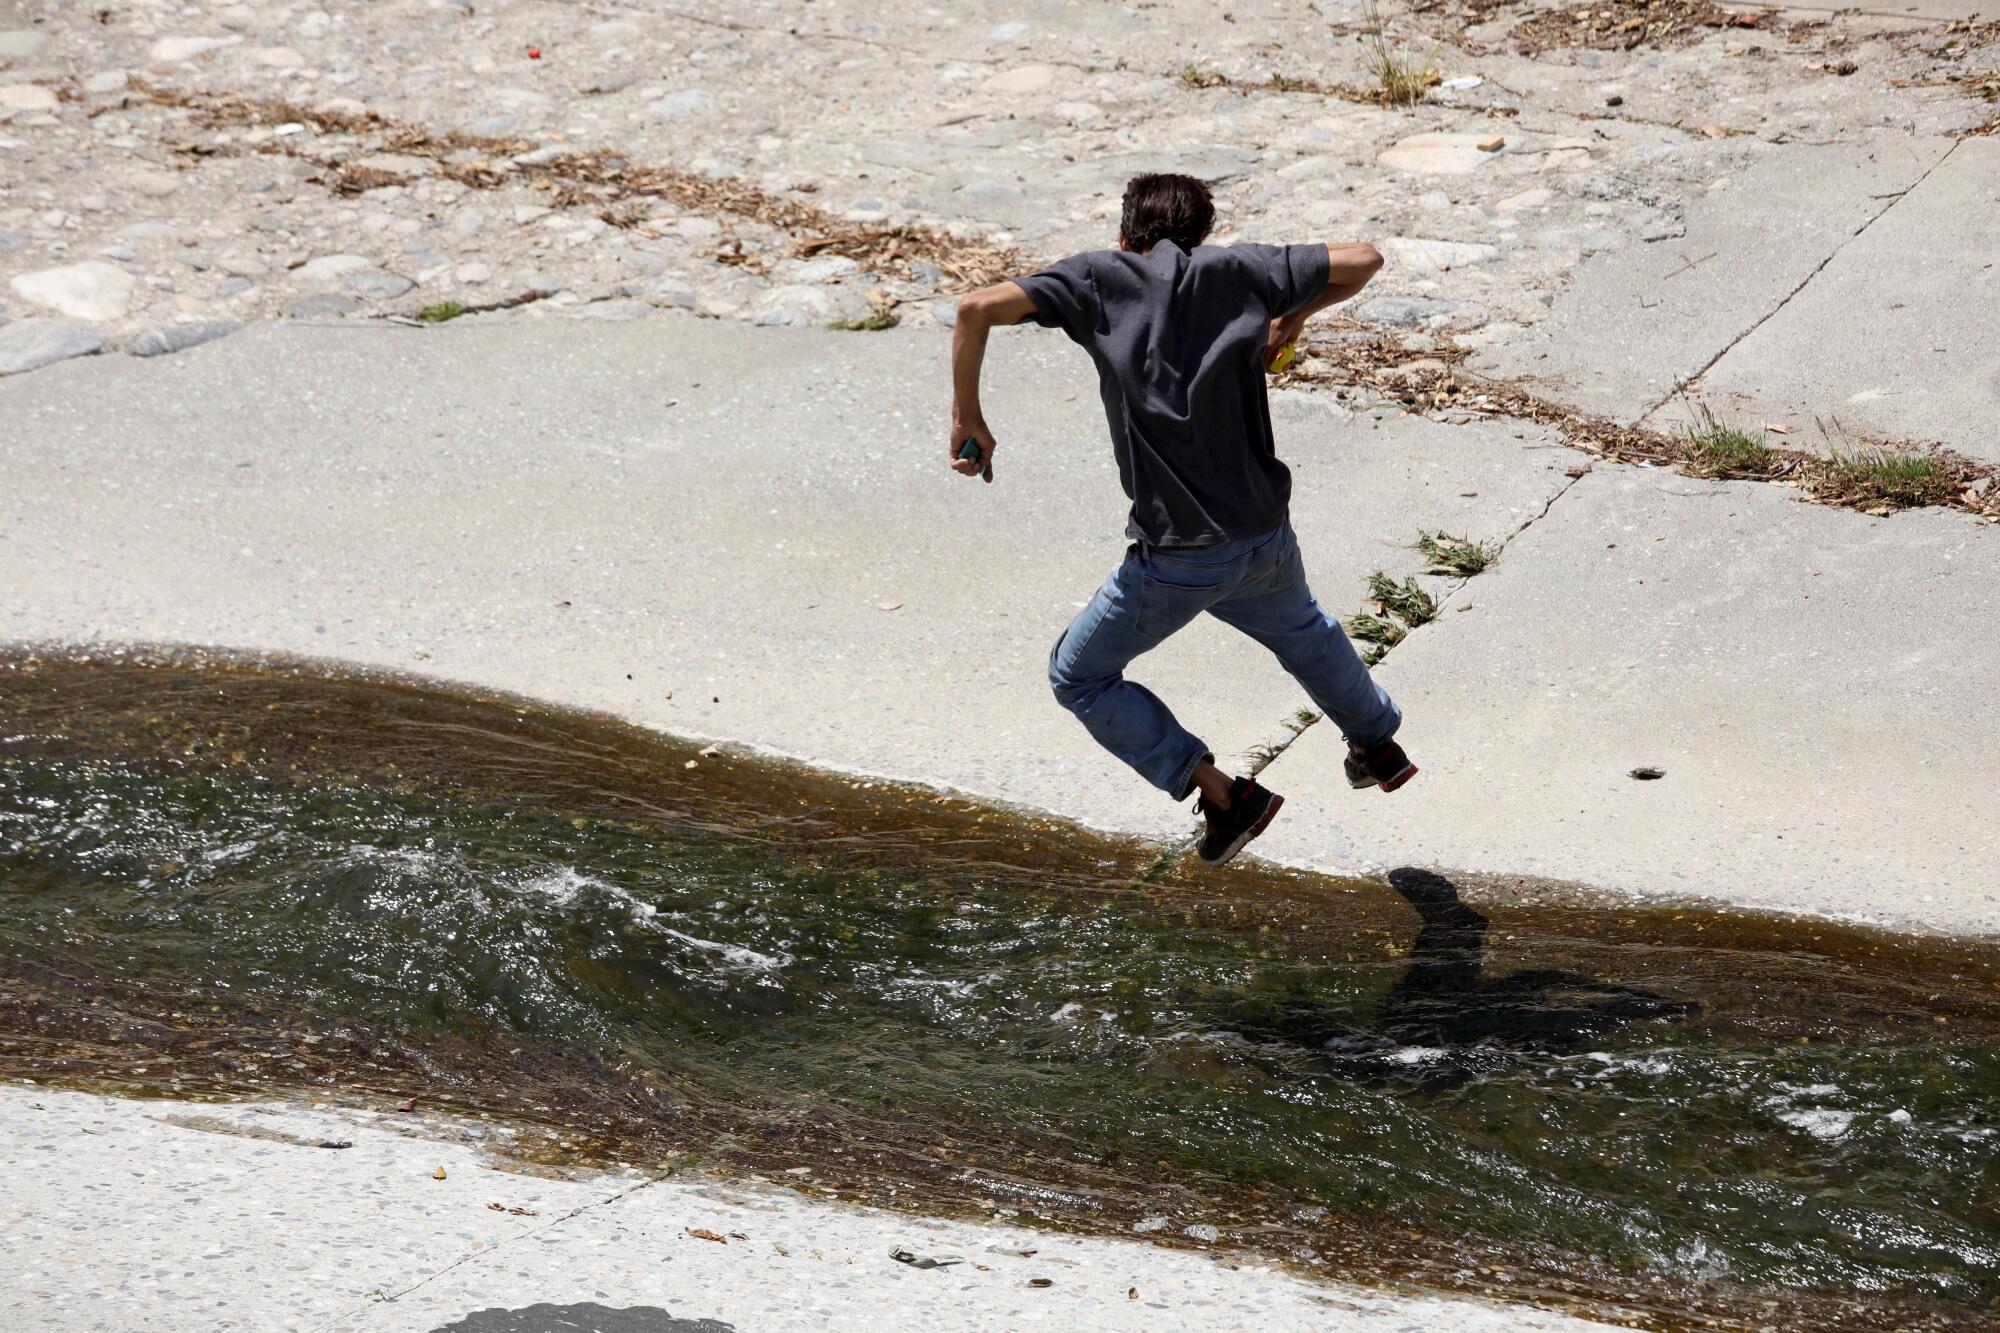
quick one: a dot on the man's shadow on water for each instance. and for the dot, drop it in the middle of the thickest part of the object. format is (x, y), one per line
(1446, 1021)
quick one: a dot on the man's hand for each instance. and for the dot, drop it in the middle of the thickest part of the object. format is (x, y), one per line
(978, 312)
(1285, 330)
(963, 429)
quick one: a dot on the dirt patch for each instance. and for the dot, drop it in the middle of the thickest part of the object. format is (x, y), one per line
(1620, 25)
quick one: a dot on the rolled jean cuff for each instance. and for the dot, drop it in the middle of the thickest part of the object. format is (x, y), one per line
(1395, 725)
(1184, 783)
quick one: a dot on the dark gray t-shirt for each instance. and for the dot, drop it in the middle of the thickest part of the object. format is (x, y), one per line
(1179, 343)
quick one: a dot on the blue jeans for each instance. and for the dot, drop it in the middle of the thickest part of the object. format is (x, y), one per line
(1258, 586)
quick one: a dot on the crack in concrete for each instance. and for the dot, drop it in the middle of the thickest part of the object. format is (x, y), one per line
(1303, 720)
(390, 1298)
(1277, 752)
(1683, 385)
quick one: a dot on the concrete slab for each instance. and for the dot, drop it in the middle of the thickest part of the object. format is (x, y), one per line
(1899, 336)
(1635, 321)
(756, 521)
(189, 1219)
(1814, 683)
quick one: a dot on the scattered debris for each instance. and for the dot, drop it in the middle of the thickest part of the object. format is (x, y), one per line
(1196, 77)
(1857, 474)
(1620, 25)
(902, 1254)
(703, 1233)
(607, 181)
(513, 1212)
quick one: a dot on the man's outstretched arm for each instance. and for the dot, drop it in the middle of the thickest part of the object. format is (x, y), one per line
(1002, 303)
(1348, 269)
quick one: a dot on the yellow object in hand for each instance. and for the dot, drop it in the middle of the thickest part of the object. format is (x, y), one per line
(1284, 358)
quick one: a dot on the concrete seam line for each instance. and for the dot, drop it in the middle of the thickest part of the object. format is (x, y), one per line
(471, 1255)
(1279, 750)
(1683, 385)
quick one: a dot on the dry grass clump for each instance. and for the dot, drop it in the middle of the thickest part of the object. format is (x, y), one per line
(1455, 555)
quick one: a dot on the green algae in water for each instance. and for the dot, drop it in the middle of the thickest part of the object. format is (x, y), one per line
(1639, 1120)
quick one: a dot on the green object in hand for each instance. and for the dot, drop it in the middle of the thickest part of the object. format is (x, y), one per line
(970, 450)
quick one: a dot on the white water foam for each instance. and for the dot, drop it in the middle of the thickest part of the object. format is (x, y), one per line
(566, 884)
(1821, 1123)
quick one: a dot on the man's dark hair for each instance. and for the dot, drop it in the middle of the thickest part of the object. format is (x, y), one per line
(1161, 206)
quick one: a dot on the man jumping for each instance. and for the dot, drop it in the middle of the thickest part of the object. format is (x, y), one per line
(1182, 334)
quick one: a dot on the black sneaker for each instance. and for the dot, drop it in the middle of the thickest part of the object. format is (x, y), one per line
(1381, 765)
(1251, 809)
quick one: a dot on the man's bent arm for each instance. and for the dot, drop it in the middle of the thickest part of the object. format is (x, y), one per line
(1348, 269)
(978, 312)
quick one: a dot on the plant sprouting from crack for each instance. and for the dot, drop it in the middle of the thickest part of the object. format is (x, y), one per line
(1713, 448)
(1378, 630)
(1397, 82)
(1909, 480)
(1455, 556)
(1407, 601)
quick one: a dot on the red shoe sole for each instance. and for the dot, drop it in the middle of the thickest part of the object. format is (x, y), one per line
(1277, 804)
(1250, 834)
(1400, 778)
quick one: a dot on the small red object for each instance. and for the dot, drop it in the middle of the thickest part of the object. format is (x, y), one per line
(534, 53)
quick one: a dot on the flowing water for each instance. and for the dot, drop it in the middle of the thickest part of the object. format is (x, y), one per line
(227, 879)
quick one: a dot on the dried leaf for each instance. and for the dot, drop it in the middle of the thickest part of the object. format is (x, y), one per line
(703, 1233)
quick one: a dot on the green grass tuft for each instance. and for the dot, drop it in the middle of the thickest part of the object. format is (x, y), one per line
(441, 312)
(1407, 601)
(1710, 448)
(1898, 479)
(875, 323)
(1454, 555)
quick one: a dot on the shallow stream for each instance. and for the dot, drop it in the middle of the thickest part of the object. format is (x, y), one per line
(226, 879)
